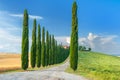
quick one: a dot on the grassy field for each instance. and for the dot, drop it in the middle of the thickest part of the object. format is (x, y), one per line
(9, 62)
(98, 66)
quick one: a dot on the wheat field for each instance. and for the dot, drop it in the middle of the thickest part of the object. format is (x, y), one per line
(9, 62)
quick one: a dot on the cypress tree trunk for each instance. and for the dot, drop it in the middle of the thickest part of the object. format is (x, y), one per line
(33, 47)
(74, 39)
(38, 55)
(43, 47)
(25, 42)
(47, 48)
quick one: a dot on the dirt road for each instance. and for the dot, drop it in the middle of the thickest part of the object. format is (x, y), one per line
(55, 73)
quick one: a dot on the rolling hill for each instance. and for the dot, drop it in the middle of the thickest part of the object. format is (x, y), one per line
(98, 66)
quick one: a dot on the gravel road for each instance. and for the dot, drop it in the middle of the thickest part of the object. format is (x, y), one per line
(55, 73)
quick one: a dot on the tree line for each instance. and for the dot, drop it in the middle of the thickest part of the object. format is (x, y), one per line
(48, 52)
(44, 51)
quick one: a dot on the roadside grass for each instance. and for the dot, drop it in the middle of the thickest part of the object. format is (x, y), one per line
(97, 66)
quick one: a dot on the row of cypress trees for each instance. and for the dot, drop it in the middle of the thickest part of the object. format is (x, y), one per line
(45, 52)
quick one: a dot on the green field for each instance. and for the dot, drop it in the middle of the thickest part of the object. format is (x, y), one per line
(98, 66)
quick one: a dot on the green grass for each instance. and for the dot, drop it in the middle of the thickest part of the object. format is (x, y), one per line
(98, 66)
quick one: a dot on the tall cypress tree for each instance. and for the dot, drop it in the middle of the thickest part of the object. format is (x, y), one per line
(52, 48)
(43, 47)
(47, 48)
(38, 55)
(74, 39)
(25, 42)
(33, 47)
(56, 52)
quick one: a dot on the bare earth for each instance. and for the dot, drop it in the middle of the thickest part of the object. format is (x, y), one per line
(55, 73)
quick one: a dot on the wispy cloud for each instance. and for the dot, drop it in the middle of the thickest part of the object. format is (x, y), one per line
(35, 17)
(9, 42)
(30, 16)
(9, 33)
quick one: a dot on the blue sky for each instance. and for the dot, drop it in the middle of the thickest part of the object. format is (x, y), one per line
(99, 22)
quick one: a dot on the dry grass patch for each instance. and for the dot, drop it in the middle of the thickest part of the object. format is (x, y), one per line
(9, 62)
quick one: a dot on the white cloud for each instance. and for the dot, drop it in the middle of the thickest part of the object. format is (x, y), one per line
(91, 36)
(35, 17)
(99, 43)
(30, 16)
(9, 42)
(63, 39)
(68, 40)
(10, 33)
(17, 15)
(105, 44)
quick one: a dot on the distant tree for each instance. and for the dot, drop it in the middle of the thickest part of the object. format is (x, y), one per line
(33, 47)
(74, 39)
(25, 42)
(80, 48)
(89, 49)
(38, 55)
(47, 48)
(43, 47)
(83, 48)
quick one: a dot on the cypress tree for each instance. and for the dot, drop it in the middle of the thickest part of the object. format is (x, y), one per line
(25, 42)
(58, 54)
(54, 54)
(38, 55)
(56, 51)
(43, 47)
(47, 48)
(33, 47)
(74, 39)
(53, 49)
